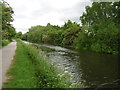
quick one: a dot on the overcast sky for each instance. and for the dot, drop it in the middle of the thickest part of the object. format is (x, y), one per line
(29, 13)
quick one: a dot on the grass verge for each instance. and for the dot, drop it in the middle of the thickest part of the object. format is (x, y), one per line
(32, 70)
(21, 72)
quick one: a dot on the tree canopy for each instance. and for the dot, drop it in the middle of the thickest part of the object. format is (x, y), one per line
(103, 25)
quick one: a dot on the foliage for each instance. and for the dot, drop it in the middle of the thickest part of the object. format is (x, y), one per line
(8, 31)
(99, 31)
(53, 34)
(44, 71)
(103, 34)
(18, 35)
(70, 33)
(5, 42)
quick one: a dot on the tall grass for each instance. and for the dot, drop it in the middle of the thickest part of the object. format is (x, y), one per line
(45, 72)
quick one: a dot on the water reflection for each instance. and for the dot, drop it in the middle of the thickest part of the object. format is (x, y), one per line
(100, 70)
(91, 69)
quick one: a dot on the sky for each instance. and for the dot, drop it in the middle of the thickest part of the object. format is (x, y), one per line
(29, 13)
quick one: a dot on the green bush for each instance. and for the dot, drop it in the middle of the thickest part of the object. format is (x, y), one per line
(5, 42)
(96, 47)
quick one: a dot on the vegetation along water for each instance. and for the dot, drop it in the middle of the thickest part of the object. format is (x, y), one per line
(91, 61)
(99, 33)
(100, 30)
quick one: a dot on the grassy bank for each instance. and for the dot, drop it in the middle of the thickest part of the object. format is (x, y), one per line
(31, 70)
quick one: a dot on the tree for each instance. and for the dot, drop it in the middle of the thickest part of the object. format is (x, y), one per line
(102, 20)
(70, 33)
(19, 35)
(8, 31)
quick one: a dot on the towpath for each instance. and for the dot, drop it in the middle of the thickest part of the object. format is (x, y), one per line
(6, 56)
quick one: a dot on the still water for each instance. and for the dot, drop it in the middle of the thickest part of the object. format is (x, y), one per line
(94, 70)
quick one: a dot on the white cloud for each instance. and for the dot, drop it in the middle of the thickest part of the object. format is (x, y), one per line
(40, 12)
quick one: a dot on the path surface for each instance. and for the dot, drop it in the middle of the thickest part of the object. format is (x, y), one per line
(6, 56)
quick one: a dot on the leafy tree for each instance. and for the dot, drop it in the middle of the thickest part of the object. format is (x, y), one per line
(19, 35)
(103, 28)
(70, 33)
(8, 31)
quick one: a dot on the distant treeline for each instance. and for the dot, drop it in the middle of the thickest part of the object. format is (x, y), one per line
(100, 30)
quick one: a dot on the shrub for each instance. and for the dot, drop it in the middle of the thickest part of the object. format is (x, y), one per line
(5, 42)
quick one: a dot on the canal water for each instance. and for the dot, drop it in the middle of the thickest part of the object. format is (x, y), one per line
(88, 69)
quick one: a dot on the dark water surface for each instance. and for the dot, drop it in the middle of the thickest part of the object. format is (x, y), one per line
(90, 69)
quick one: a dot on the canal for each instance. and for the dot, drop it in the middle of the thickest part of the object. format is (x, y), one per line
(88, 69)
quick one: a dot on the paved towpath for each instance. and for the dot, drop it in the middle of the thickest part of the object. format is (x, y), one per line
(6, 56)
